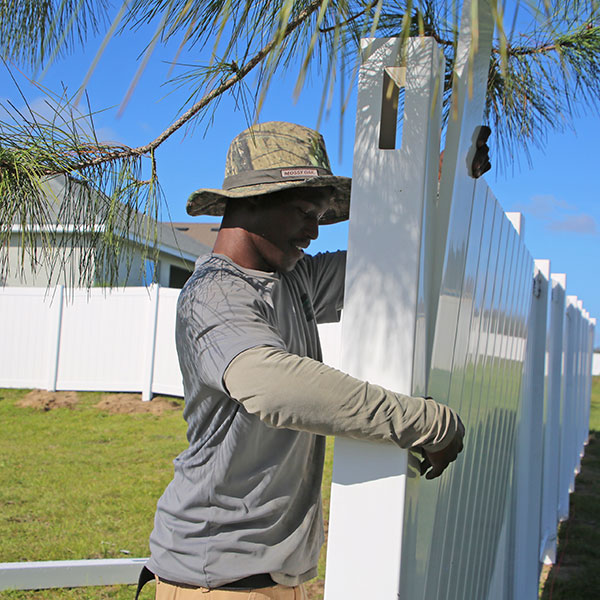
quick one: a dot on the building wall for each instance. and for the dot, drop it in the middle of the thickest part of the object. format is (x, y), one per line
(33, 270)
(167, 263)
(61, 266)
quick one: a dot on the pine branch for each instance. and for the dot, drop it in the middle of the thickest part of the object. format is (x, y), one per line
(104, 209)
(540, 88)
(36, 32)
(533, 87)
(238, 75)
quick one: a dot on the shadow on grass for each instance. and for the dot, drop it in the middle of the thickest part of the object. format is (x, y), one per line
(576, 574)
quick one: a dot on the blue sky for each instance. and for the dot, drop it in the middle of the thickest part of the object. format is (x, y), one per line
(558, 194)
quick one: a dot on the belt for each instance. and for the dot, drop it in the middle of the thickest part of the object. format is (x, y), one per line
(262, 580)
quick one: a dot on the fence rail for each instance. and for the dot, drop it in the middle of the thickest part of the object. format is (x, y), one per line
(69, 573)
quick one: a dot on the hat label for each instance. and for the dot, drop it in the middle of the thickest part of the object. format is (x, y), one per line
(299, 173)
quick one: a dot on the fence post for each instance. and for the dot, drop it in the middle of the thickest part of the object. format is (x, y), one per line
(529, 457)
(518, 222)
(567, 417)
(151, 341)
(588, 373)
(54, 328)
(577, 394)
(379, 322)
(552, 421)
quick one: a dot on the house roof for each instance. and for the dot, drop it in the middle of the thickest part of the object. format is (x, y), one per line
(170, 237)
(205, 233)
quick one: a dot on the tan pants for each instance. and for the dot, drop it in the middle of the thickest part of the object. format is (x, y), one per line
(166, 591)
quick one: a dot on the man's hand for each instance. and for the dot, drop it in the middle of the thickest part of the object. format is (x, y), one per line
(434, 463)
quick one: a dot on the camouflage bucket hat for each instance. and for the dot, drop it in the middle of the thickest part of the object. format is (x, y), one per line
(274, 156)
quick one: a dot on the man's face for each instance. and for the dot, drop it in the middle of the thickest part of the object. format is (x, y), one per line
(285, 224)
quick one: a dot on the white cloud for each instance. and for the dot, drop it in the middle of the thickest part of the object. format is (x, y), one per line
(558, 215)
(581, 223)
(544, 207)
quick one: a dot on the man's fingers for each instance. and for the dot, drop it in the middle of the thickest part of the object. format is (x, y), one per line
(439, 461)
(435, 463)
(424, 465)
(433, 473)
(438, 468)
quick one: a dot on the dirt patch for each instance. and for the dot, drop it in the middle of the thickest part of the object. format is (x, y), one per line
(44, 400)
(116, 404)
(129, 404)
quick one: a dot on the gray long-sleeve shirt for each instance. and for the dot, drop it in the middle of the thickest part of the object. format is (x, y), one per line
(245, 497)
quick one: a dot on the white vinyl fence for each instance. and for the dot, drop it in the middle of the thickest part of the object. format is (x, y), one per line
(443, 298)
(123, 340)
(90, 340)
(596, 363)
(98, 340)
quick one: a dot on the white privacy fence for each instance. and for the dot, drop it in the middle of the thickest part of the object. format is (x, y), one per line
(119, 340)
(123, 340)
(596, 363)
(99, 340)
(443, 298)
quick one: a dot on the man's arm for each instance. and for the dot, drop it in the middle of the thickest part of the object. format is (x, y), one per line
(293, 392)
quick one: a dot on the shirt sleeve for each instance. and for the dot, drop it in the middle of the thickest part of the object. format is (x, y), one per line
(326, 274)
(293, 392)
(217, 318)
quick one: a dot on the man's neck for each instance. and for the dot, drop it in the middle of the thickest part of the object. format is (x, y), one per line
(236, 243)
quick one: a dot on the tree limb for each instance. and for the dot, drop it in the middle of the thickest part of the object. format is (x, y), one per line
(238, 75)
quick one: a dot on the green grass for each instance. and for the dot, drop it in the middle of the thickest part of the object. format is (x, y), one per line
(82, 483)
(576, 574)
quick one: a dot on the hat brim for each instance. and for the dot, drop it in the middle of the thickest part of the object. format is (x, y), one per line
(212, 201)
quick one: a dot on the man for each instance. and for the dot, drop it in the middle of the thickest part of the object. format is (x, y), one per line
(242, 517)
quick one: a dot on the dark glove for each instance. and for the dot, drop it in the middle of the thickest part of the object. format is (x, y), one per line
(435, 463)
